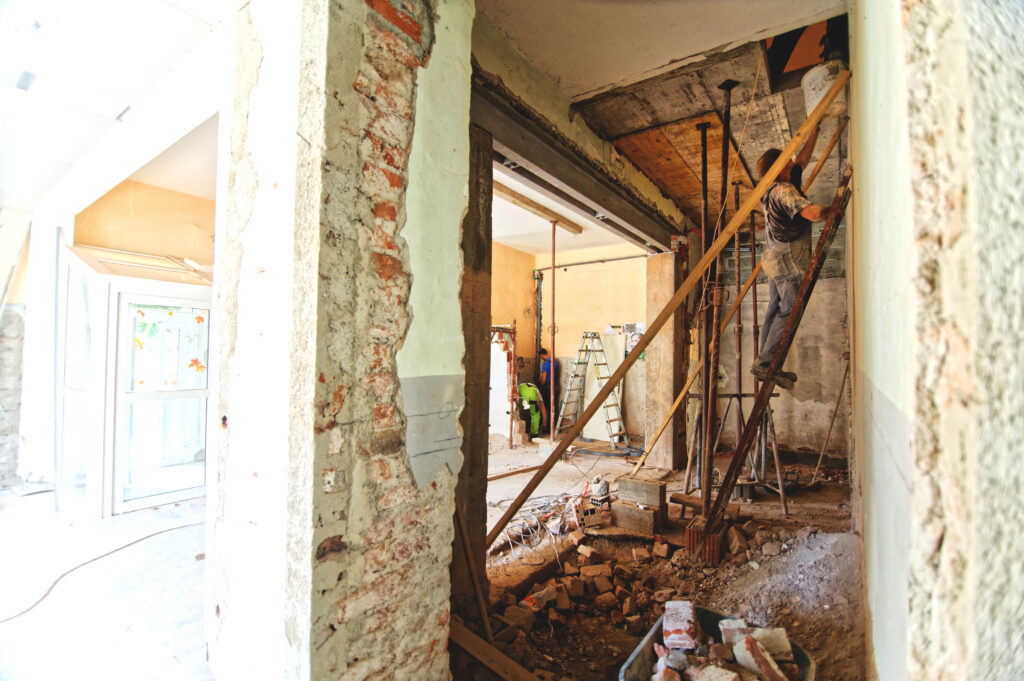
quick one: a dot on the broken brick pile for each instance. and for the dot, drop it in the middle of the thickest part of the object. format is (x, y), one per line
(740, 653)
(589, 586)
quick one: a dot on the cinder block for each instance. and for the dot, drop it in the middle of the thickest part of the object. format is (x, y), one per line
(647, 492)
(628, 515)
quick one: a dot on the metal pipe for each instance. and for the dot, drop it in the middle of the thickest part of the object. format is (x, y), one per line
(592, 262)
(707, 416)
(835, 412)
(539, 278)
(738, 326)
(551, 355)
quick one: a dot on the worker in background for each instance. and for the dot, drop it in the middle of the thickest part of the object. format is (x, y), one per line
(546, 375)
(788, 217)
(531, 408)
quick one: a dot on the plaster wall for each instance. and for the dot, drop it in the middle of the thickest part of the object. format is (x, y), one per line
(12, 336)
(141, 217)
(329, 543)
(882, 303)
(513, 296)
(964, 68)
(498, 58)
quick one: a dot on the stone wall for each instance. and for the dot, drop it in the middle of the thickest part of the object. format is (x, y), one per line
(801, 415)
(12, 331)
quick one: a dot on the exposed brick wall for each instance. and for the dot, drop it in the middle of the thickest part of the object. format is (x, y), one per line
(381, 588)
(12, 332)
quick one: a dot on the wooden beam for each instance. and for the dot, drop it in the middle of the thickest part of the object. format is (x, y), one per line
(508, 474)
(490, 656)
(825, 154)
(542, 211)
(677, 299)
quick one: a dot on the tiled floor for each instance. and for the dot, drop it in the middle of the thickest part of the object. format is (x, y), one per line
(135, 613)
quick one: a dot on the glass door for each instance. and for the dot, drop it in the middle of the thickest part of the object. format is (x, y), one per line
(160, 421)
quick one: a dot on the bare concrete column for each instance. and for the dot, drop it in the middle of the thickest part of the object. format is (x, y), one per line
(339, 350)
(664, 364)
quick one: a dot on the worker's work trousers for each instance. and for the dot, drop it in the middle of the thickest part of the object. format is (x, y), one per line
(785, 264)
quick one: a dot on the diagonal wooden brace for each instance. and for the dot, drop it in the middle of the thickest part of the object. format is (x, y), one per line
(677, 299)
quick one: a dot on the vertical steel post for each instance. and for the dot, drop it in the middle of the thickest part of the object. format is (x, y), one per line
(738, 325)
(704, 474)
(551, 356)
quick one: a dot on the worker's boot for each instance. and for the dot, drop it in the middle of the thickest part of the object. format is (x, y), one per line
(783, 379)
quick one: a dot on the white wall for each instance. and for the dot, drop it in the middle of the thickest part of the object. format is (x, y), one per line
(881, 272)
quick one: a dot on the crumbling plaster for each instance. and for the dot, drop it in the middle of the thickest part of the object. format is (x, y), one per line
(327, 560)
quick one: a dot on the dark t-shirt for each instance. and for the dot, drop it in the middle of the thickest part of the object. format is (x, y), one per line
(782, 204)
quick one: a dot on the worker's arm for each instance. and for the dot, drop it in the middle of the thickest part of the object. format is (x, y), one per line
(804, 157)
(815, 213)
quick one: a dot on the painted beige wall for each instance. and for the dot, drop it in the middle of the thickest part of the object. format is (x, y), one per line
(589, 297)
(513, 295)
(141, 217)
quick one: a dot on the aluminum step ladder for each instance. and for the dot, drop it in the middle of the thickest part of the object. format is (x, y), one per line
(572, 401)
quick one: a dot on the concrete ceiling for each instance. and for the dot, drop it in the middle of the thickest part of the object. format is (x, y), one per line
(90, 62)
(590, 46)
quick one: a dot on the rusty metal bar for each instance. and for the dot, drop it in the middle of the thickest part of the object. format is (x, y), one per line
(670, 308)
(738, 326)
(707, 415)
(761, 403)
(551, 354)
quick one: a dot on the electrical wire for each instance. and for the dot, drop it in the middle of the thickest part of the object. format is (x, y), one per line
(93, 560)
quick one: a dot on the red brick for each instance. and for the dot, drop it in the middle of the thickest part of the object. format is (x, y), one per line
(387, 267)
(378, 354)
(384, 416)
(401, 20)
(386, 210)
(381, 383)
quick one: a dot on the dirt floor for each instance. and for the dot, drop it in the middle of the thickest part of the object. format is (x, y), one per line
(802, 572)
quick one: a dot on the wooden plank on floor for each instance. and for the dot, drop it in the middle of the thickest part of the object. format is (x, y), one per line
(508, 474)
(487, 654)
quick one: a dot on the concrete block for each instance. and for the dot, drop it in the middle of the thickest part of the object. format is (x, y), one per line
(753, 657)
(679, 626)
(629, 516)
(647, 492)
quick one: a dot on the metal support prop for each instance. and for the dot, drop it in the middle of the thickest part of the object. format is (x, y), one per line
(704, 464)
(738, 326)
(835, 412)
(764, 394)
(538, 277)
(670, 308)
(551, 356)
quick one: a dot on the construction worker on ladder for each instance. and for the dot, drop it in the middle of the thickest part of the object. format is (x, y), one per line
(788, 217)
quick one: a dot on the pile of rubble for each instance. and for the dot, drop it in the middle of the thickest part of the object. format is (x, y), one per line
(592, 586)
(744, 653)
